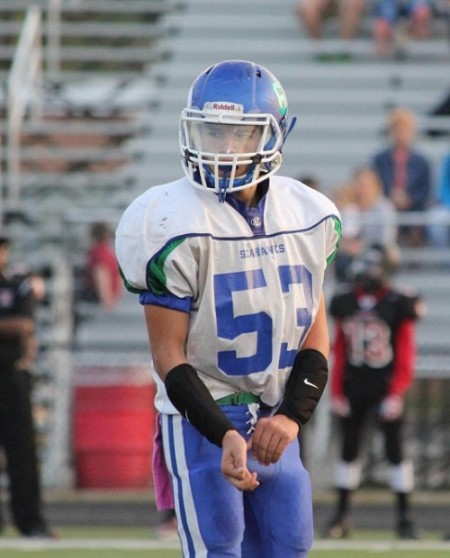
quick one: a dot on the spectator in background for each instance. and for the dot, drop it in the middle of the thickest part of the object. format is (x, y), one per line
(103, 281)
(404, 172)
(313, 13)
(396, 21)
(371, 216)
(19, 293)
(344, 198)
(373, 368)
(439, 222)
(368, 217)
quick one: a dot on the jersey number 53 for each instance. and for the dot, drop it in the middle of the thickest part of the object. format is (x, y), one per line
(259, 323)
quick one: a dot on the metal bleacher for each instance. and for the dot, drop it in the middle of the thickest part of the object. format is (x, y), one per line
(94, 91)
(115, 81)
(341, 107)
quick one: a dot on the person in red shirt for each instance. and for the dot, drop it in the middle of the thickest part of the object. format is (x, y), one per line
(373, 368)
(104, 283)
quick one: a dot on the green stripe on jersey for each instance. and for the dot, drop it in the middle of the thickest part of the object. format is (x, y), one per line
(156, 279)
(338, 230)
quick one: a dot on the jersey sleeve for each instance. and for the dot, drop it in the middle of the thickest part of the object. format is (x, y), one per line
(412, 306)
(160, 268)
(334, 235)
(404, 360)
(25, 302)
(339, 305)
(133, 249)
(172, 277)
(339, 360)
(333, 307)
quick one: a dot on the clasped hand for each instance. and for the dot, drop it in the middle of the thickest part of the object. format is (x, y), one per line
(270, 438)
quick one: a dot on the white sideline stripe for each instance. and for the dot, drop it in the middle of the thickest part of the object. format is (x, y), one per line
(88, 544)
(380, 546)
(132, 544)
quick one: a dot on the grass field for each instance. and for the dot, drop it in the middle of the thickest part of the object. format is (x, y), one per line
(138, 543)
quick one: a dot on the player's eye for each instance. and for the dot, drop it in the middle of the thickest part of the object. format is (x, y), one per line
(243, 133)
(213, 130)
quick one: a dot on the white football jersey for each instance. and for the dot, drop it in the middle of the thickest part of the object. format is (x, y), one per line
(251, 281)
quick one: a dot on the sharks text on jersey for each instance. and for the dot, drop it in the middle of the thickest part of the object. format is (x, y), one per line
(258, 251)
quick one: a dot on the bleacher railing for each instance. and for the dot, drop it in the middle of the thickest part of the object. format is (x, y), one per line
(56, 466)
(24, 92)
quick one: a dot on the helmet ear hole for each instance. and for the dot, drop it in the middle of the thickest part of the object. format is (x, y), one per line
(237, 96)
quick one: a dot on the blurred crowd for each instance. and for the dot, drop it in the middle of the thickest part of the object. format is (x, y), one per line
(396, 199)
(394, 22)
(395, 182)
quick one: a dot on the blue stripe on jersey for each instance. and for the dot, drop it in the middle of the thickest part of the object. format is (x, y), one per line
(167, 300)
(242, 237)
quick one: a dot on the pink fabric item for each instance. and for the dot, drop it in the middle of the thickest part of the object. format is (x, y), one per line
(161, 476)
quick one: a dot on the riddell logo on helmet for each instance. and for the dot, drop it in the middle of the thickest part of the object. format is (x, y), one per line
(217, 106)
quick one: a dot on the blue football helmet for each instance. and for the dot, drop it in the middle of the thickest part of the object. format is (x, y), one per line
(234, 127)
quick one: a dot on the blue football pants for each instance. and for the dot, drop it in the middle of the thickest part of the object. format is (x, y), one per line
(216, 520)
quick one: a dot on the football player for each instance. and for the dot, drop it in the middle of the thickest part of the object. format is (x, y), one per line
(229, 264)
(373, 367)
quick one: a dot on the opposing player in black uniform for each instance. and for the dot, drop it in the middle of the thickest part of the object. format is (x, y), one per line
(17, 436)
(374, 353)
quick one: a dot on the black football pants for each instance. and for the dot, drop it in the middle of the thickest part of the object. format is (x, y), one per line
(17, 440)
(352, 430)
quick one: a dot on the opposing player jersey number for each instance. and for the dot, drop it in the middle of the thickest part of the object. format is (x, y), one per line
(260, 324)
(369, 342)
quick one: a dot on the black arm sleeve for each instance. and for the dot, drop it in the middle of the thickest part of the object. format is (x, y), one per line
(192, 399)
(309, 376)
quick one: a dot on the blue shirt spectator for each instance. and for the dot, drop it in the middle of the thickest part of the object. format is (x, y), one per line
(439, 228)
(405, 173)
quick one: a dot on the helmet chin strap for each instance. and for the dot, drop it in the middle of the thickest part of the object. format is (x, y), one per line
(224, 180)
(223, 185)
(290, 128)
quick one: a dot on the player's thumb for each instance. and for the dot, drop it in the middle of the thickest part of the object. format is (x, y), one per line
(240, 463)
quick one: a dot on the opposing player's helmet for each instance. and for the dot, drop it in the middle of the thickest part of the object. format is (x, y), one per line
(233, 128)
(374, 266)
